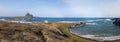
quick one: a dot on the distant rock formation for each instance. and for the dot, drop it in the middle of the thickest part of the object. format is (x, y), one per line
(117, 21)
(27, 16)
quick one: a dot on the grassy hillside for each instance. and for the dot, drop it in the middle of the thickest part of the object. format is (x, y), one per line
(37, 32)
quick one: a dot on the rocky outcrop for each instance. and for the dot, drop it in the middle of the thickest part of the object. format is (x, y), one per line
(37, 32)
(117, 21)
(27, 16)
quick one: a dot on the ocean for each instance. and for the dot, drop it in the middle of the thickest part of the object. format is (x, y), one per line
(41, 19)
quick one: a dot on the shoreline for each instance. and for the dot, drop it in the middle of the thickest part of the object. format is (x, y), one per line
(96, 39)
(80, 36)
(75, 34)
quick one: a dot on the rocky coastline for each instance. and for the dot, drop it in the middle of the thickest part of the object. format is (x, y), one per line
(96, 39)
(116, 21)
(40, 32)
(99, 39)
(37, 32)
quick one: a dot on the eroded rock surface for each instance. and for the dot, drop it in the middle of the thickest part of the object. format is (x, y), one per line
(117, 21)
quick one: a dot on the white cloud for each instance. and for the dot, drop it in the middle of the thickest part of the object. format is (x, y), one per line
(7, 11)
(73, 8)
(113, 10)
(90, 8)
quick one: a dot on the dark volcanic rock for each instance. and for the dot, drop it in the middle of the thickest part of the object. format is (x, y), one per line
(117, 21)
(28, 15)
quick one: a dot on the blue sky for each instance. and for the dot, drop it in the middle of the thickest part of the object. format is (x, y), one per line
(61, 8)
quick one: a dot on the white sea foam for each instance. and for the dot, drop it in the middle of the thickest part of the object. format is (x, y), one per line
(112, 38)
(90, 20)
(95, 37)
(108, 19)
(67, 22)
(25, 22)
(93, 20)
(87, 21)
(91, 23)
(3, 19)
(101, 38)
(20, 22)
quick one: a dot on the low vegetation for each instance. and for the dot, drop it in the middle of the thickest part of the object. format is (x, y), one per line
(37, 32)
(71, 37)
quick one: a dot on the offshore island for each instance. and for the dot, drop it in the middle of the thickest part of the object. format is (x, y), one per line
(41, 31)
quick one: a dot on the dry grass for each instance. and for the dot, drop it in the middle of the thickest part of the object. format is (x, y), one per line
(37, 32)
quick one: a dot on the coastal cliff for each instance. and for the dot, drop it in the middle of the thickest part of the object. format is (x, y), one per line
(27, 16)
(117, 21)
(37, 32)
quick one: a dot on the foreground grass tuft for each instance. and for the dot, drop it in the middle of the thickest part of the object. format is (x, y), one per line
(71, 37)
